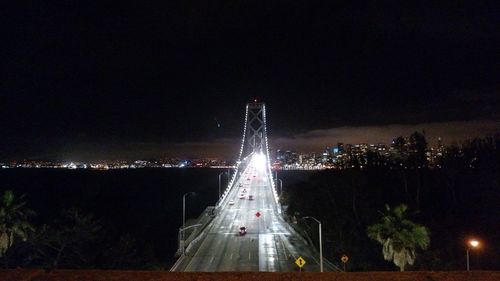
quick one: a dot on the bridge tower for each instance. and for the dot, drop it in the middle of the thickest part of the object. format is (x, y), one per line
(254, 142)
(254, 131)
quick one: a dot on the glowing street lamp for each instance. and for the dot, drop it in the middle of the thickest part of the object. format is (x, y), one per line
(320, 242)
(474, 243)
(184, 216)
(471, 244)
(281, 187)
(220, 182)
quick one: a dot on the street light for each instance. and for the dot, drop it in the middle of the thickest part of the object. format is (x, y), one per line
(471, 244)
(220, 182)
(184, 215)
(320, 243)
(276, 176)
(281, 187)
(281, 182)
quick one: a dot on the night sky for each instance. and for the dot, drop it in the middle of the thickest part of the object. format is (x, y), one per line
(98, 80)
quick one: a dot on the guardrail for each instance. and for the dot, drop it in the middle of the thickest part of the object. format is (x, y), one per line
(202, 221)
(240, 166)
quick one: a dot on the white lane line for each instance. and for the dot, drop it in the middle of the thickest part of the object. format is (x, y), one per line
(283, 246)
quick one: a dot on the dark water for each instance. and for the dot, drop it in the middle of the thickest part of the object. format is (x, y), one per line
(144, 202)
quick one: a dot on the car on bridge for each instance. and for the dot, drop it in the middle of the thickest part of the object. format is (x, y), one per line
(230, 202)
(250, 197)
(242, 196)
(243, 231)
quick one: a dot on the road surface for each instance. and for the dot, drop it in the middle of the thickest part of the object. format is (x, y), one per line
(269, 244)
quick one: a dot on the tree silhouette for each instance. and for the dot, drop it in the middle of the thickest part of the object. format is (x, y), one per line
(70, 241)
(399, 236)
(14, 223)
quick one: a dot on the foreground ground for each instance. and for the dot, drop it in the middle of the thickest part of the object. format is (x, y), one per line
(115, 275)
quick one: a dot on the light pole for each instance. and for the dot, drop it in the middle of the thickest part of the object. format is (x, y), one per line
(281, 187)
(276, 176)
(320, 243)
(220, 182)
(473, 243)
(184, 215)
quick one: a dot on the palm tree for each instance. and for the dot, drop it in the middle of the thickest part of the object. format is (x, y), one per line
(399, 236)
(14, 222)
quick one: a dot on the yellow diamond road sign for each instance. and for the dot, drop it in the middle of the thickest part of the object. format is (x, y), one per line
(300, 262)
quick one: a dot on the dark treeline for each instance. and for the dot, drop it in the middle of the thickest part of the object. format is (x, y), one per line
(455, 202)
(74, 239)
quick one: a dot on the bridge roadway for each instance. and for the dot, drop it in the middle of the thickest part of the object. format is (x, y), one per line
(270, 243)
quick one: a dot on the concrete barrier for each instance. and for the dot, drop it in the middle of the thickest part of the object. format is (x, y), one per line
(204, 219)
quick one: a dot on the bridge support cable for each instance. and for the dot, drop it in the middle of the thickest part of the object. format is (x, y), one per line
(238, 163)
(268, 162)
(244, 134)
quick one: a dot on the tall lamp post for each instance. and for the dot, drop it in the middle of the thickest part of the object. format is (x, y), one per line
(220, 182)
(471, 244)
(281, 187)
(320, 243)
(281, 182)
(276, 176)
(184, 215)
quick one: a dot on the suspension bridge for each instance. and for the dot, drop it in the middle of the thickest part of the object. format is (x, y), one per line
(245, 231)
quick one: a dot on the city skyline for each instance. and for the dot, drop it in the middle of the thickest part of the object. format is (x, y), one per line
(309, 142)
(312, 141)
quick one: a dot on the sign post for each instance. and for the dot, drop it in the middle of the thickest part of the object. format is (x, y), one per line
(300, 262)
(344, 260)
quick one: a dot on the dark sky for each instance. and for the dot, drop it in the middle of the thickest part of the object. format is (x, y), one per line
(91, 79)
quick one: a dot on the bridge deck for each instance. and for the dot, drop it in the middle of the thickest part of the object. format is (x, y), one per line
(270, 243)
